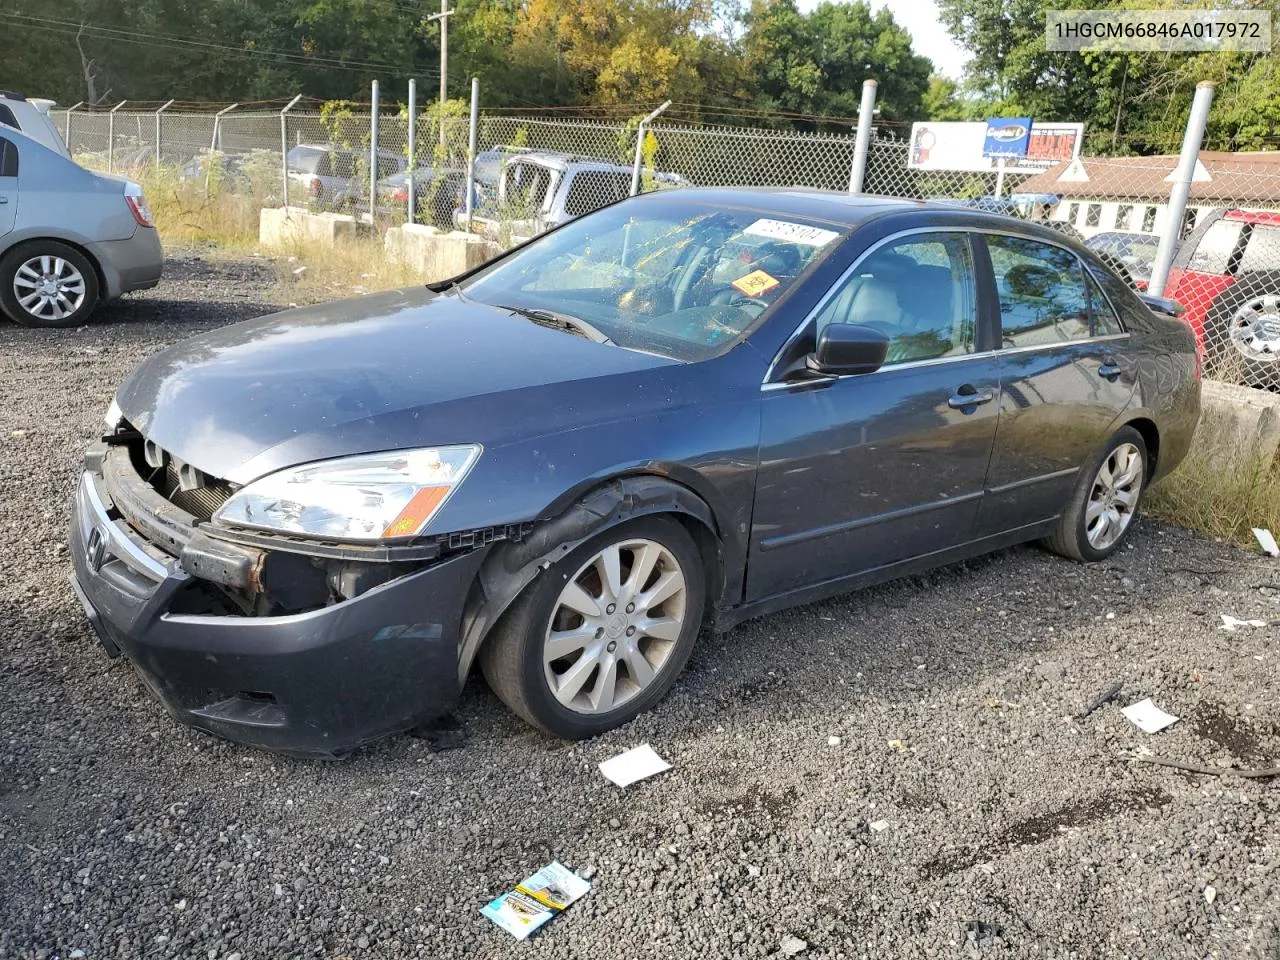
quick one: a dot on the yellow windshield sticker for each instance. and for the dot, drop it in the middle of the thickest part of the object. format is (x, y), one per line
(756, 283)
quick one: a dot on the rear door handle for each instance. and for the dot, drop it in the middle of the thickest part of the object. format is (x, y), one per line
(4, 199)
(1109, 371)
(967, 396)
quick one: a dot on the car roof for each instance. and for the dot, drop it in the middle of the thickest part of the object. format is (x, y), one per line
(1252, 216)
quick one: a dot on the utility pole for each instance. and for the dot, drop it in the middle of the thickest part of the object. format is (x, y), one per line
(443, 16)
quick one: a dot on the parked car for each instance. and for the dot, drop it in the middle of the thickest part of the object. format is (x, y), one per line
(538, 191)
(1227, 277)
(692, 406)
(438, 193)
(32, 118)
(70, 239)
(334, 176)
(1135, 252)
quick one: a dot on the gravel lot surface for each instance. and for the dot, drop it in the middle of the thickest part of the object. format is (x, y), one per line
(898, 773)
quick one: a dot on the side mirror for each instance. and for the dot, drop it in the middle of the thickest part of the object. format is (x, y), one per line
(848, 348)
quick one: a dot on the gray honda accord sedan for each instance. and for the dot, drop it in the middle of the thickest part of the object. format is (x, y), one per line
(682, 411)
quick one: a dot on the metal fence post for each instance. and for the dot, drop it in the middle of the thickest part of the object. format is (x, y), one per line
(413, 148)
(284, 152)
(866, 111)
(473, 125)
(158, 129)
(67, 136)
(635, 167)
(213, 144)
(111, 136)
(1181, 189)
(373, 156)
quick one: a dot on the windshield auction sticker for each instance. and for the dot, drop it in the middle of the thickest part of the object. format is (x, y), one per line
(791, 232)
(535, 900)
(755, 283)
(1246, 31)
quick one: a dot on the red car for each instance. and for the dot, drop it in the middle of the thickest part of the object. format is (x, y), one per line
(1227, 278)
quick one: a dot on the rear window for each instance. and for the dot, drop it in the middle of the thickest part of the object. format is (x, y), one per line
(7, 117)
(306, 160)
(1216, 246)
(1263, 250)
(592, 189)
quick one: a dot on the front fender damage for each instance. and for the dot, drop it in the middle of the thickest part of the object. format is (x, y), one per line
(511, 566)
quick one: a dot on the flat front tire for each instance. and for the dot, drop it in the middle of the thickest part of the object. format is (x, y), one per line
(1105, 500)
(600, 636)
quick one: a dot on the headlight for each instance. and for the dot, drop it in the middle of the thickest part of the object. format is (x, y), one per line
(113, 416)
(377, 496)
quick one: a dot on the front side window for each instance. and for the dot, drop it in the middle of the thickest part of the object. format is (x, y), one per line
(917, 291)
(525, 188)
(1213, 253)
(679, 278)
(1042, 293)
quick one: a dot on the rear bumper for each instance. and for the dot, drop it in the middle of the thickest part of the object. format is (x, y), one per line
(318, 683)
(133, 264)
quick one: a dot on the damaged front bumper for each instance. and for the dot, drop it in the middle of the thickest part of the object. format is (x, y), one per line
(319, 682)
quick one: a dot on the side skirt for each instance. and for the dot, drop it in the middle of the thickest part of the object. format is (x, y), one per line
(728, 619)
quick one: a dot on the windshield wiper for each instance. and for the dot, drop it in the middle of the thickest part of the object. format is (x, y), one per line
(559, 321)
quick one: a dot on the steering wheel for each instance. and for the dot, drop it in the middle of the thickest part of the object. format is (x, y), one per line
(730, 296)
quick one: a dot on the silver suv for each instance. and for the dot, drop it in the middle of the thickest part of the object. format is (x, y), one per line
(32, 118)
(333, 177)
(538, 191)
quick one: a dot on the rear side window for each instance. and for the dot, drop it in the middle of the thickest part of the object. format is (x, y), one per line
(526, 187)
(7, 117)
(1105, 321)
(592, 189)
(1042, 293)
(1263, 249)
(8, 159)
(1216, 247)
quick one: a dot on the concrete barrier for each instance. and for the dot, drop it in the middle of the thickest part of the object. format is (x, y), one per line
(282, 227)
(1238, 423)
(435, 255)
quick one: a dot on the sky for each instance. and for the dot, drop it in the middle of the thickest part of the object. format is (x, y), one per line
(929, 38)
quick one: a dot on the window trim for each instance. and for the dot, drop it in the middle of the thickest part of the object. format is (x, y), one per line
(768, 383)
(1097, 284)
(8, 158)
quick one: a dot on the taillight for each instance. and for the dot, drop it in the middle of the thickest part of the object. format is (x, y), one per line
(138, 204)
(401, 194)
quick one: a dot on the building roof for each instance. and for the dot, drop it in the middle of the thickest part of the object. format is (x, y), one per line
(1220, 178)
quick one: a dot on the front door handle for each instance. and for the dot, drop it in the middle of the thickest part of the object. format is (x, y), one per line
(4, 199)
(1109, 371)
(967, 396)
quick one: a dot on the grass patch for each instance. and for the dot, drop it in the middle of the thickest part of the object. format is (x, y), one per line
(1220, 499)
(308, 272)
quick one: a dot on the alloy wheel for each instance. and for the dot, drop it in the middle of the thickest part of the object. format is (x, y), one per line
(1114, 496)
(49, 287)
(614, 626)
(1255, 328)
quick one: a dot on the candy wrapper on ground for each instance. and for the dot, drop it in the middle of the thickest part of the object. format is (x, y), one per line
(535, 900)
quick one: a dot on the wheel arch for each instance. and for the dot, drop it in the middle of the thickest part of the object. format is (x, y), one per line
(511, 567)
(75, 245)
(1150, 434)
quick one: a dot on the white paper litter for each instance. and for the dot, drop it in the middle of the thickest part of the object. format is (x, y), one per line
(1230, 623)
(1147, 717)
(878, 826)
(637, 764)
(1266, 541)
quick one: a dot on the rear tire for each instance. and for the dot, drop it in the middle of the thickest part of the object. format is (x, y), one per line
(577, 674)
(1242, 332)
(1105, 500)
(44, 283)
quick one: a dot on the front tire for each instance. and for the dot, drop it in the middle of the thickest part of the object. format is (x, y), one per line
(47, 284)
(1105, 500)
(600, 636)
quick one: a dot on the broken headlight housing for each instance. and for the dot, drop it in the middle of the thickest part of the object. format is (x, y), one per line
(370, 497)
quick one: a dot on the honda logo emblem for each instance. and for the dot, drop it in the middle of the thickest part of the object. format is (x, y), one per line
(95, 548)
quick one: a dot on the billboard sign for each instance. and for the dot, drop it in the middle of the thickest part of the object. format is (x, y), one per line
(959, 147)
(1007, 138)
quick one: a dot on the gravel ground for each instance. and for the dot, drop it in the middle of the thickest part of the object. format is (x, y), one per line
(898, 773)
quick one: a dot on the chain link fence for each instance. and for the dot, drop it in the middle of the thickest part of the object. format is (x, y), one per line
(532, 172)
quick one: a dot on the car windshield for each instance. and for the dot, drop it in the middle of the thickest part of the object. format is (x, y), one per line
(679, 278)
